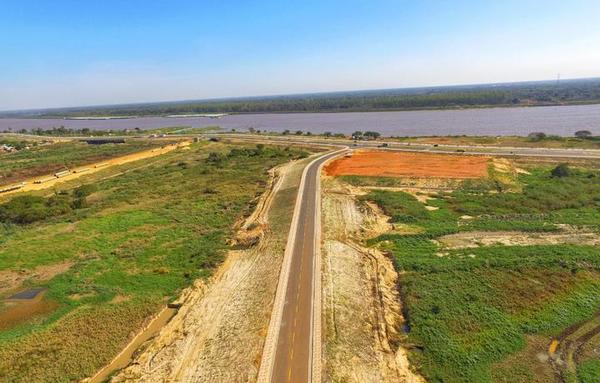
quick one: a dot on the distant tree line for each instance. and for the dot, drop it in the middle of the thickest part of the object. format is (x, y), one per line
(544, 93)
(61, 131)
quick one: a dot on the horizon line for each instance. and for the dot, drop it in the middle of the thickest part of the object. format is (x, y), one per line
(290, 95)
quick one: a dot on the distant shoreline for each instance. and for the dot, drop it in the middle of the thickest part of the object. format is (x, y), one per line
(474, 96)
(336, 111)
(561, 120)
(100, 118)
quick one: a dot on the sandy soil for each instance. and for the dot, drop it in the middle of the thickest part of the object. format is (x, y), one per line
(361, 303)
(405, 164)
(50, 180)
(218, 334)
(515, 238)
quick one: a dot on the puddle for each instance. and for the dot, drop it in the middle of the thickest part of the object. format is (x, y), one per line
(26, 295)
(24, 306)
(124, 357)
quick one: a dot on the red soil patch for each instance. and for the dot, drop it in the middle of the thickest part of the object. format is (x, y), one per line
(407, 164)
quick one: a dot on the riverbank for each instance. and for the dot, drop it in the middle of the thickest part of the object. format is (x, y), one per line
(516, 121)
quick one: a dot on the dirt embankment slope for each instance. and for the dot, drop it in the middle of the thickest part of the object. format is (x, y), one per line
(218, 334)
(361, 304)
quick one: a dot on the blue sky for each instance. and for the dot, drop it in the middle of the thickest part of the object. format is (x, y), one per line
(67, 53)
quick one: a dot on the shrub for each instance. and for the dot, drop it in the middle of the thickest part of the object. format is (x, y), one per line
(561, 170)
(28, 209)
(536, 136)
(85, 190)
(214, 158)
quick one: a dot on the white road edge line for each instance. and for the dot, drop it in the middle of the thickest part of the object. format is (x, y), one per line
(265, 372)
(315, 366)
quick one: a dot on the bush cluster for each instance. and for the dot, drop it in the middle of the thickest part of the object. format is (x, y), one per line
(27, 209)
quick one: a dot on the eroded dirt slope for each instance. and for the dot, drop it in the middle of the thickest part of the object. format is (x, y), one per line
(361, 304)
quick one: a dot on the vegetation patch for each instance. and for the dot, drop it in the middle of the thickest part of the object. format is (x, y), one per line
(151, 232)
(469, 309)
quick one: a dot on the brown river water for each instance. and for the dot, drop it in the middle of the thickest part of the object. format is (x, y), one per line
(558, 120)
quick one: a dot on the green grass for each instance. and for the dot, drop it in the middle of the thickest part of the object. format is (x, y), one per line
(471, 308)
(589, 371)
(401, 207)
(46, 159)
(144, 236)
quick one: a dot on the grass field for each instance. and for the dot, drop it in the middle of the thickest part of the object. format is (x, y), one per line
(475, 313)
(46, 159)
(129, 246)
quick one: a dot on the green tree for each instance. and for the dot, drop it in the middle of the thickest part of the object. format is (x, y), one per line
(583, 134)
(371, 135)
(357, 135)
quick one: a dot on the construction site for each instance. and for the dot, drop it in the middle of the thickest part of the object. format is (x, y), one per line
(394, 231)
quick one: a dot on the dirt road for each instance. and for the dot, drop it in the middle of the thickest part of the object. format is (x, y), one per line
(49, 180)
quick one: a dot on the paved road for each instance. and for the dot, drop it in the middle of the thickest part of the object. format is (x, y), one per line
(402, 146)
(294, 344)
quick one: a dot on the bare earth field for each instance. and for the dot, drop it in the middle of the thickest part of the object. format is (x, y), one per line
(397, 164)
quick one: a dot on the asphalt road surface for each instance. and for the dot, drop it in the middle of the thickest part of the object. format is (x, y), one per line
(294, 344)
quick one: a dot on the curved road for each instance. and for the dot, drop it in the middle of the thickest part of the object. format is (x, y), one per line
(293, 328)
(293, 354)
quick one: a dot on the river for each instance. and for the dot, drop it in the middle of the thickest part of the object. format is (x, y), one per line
(558, 120)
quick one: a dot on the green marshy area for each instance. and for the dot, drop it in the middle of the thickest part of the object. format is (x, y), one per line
(474, 313)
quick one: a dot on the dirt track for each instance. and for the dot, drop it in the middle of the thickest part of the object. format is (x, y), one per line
(397, 164)
(50, 180)
(568, 349)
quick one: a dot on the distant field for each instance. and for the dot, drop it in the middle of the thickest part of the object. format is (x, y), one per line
(549, 142)
(112, 251)
(493, 271)
(49, 158)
